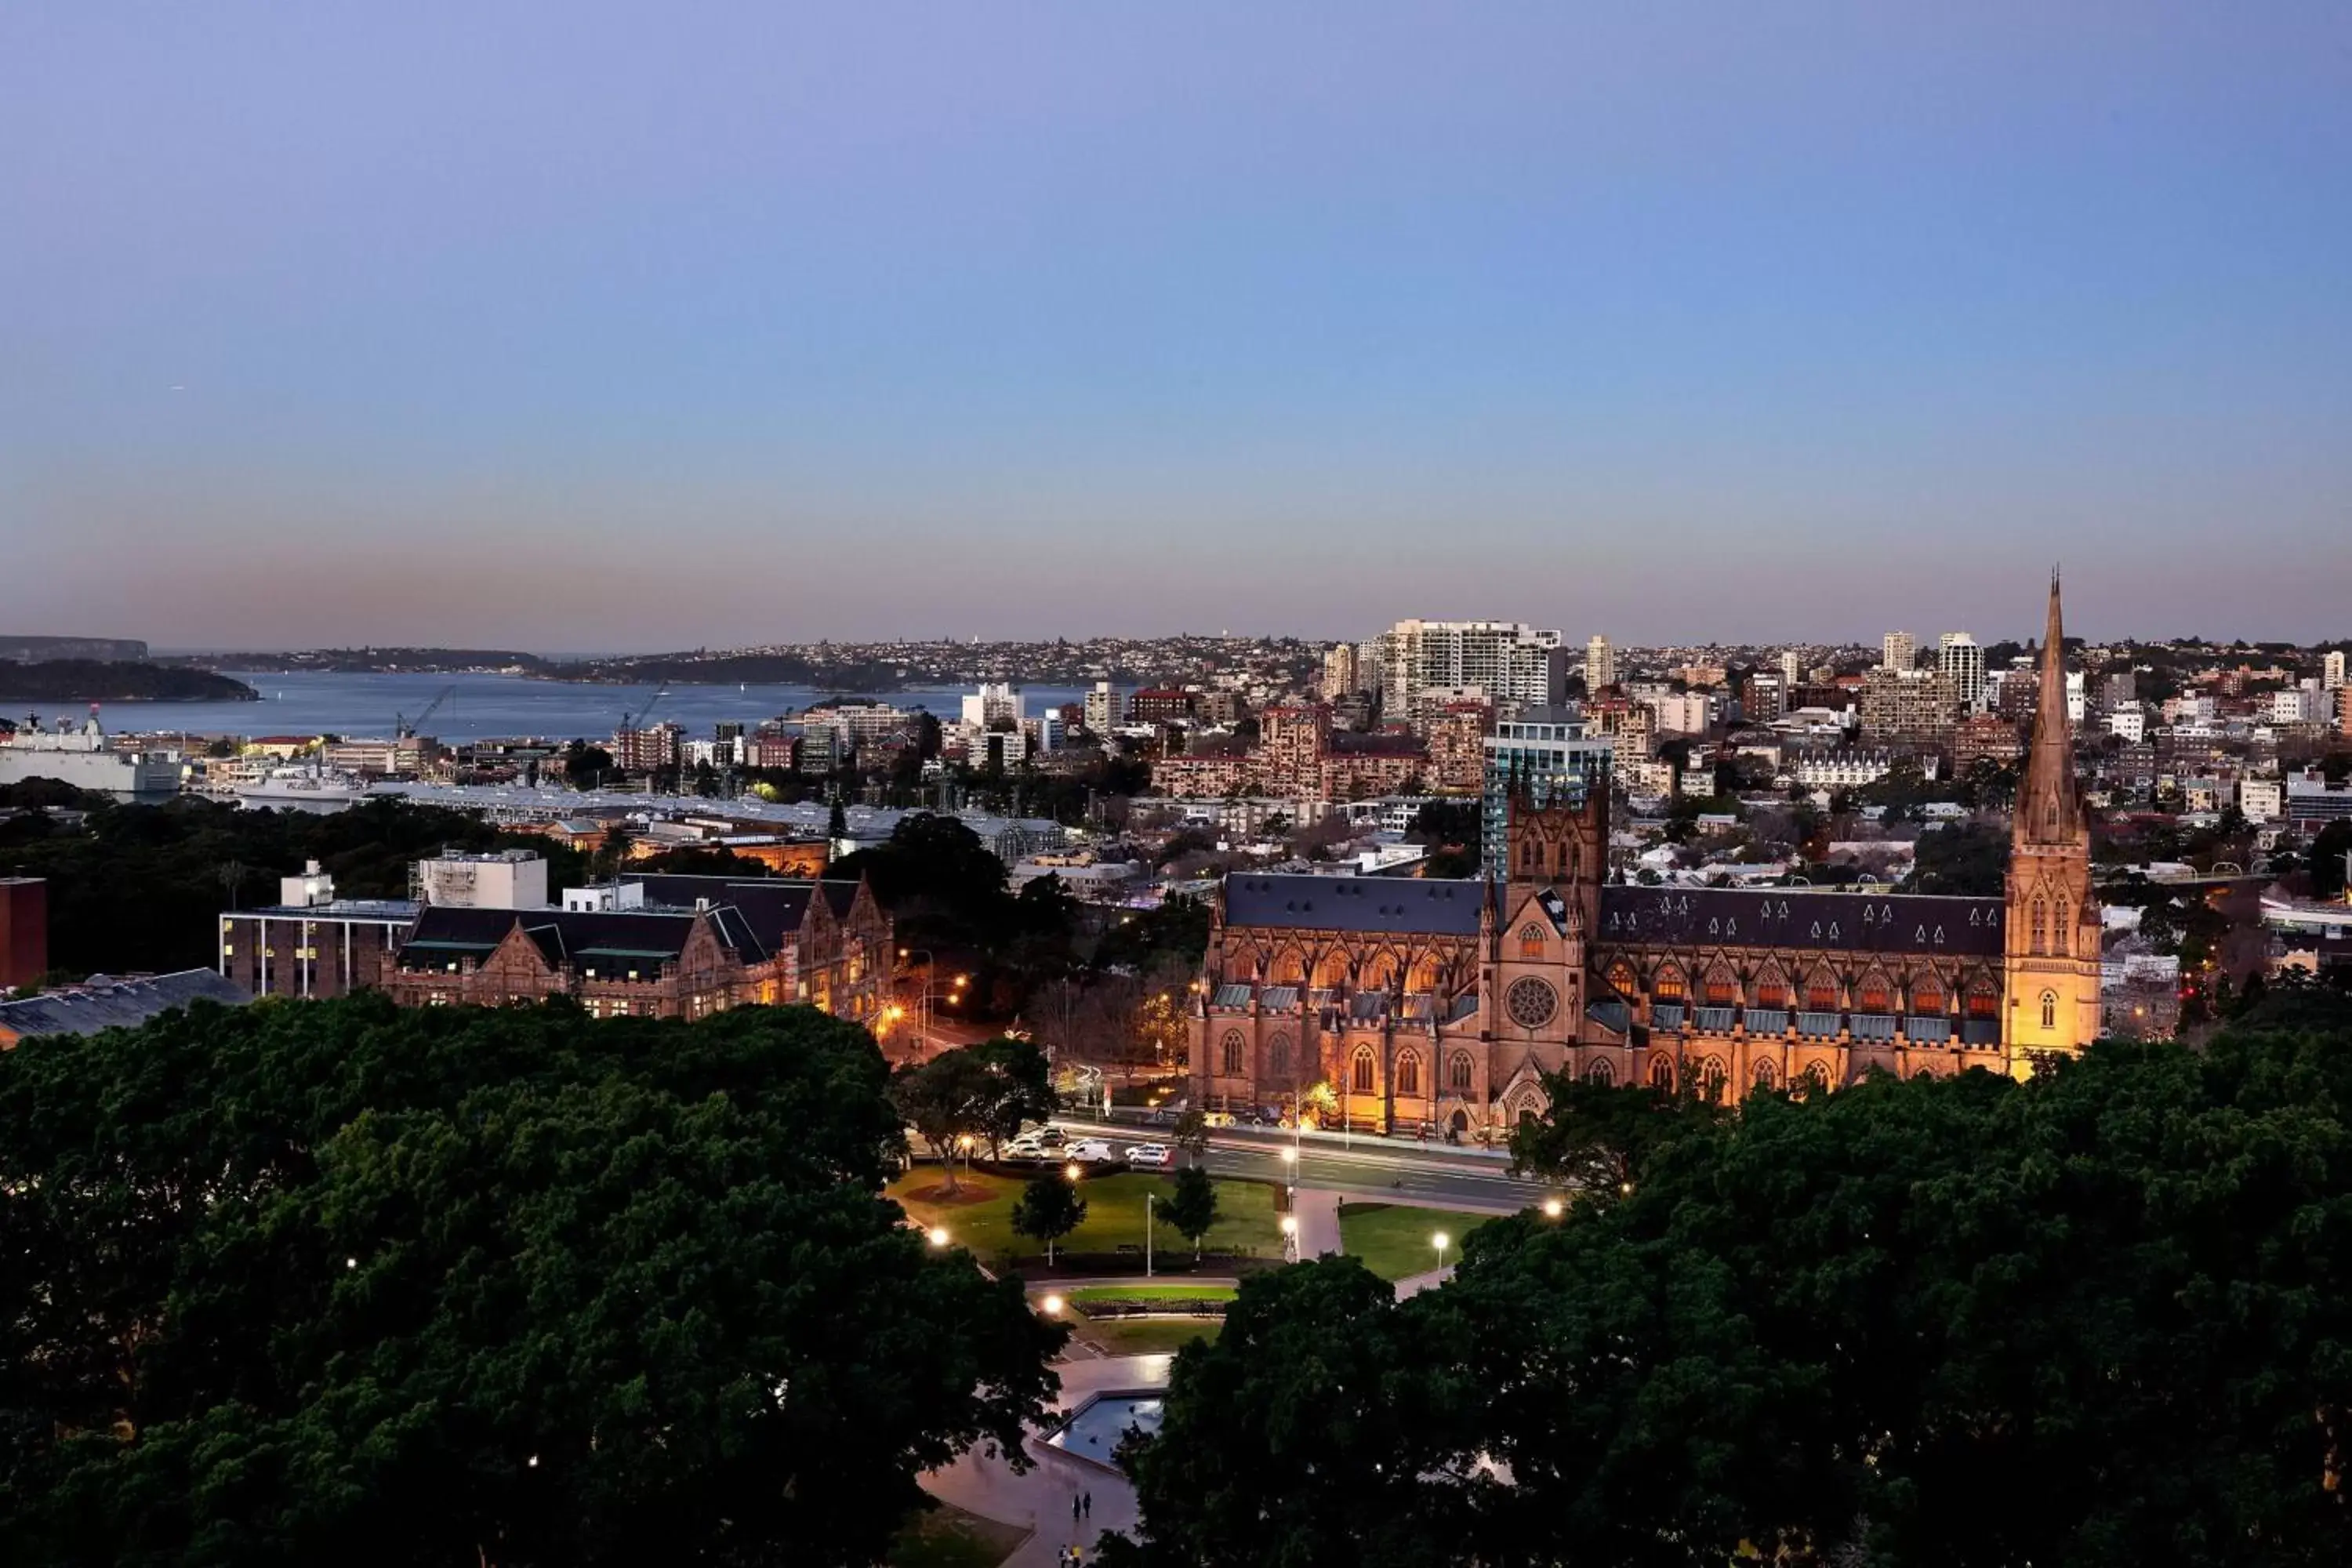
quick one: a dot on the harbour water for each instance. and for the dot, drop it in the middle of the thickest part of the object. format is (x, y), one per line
(484, 706)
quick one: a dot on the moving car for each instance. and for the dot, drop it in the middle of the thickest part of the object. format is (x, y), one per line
(1150, 1156)
(1089, 1150)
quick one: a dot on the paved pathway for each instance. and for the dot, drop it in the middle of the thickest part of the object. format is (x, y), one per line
(1039, 1499)
(1415, 1284)
(1318, 1222)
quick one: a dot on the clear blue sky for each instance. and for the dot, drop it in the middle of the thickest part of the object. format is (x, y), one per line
(582, 325)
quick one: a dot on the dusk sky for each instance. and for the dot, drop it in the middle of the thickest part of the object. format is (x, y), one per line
(601, 327)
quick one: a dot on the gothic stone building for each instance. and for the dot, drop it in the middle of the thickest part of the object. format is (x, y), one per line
(1443, 1002)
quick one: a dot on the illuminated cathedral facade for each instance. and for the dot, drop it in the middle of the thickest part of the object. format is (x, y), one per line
(1395, 1004)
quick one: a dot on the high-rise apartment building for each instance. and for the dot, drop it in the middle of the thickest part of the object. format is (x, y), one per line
(1898, 652)
(1961, 659)
(1908, 705)
(1513, 664)
(1600, 665)
(2331, 671)
(1102, 707)
(1341, 676)
(1541, 758)
(995, 702)
(1792, 670)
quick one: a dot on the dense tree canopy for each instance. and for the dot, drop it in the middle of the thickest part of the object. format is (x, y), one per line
(303, 1283)
(2101, 1318)
(139, 887)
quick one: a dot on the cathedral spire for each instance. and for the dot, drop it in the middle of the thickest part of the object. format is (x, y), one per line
(2048, 809)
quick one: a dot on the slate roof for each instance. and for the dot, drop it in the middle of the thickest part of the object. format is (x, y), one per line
(118, 1004)
(565, 936)
(775, 906)
(1406, 905)
(1794, 918)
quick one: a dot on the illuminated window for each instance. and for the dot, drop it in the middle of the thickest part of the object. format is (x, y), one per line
(1875, 997)
(1362, 1078)
(1722, 988)
(1669, 984)
(1822, 993)
(1927, 998)
(1983, 1004)
(1772, 993)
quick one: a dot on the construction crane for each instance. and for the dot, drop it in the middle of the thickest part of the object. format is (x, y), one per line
(637, 721)
(405, 728)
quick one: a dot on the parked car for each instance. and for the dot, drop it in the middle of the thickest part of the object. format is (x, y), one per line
(1037, 1144)
(1150, 1156)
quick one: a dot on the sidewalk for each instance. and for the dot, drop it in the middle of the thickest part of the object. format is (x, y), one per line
(1319, 1223)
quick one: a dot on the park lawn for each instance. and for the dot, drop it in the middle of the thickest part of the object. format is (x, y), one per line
(1392, 1239)
(1148, 1336)
(945, 1536)
(982, 1218)
(1156, 1291)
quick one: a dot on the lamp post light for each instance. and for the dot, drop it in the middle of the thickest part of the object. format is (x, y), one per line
(1553, 1208)
(1147, 1234)
(1070, 1172)
(1290, 1184)
(1438, 1240)
(928, 958)
(1290, 1237)
(1052, 1306)
(937, 1236)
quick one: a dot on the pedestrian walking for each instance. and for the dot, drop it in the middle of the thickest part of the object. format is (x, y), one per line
(1074, 1508)
(1090, 1505)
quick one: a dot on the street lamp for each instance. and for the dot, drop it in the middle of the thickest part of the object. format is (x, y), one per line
(1290, 1237)
(1053, 1305)
(1438, 1240)
(1553, 1208)
(937, 1236)
(928, 958)
(1290, 1181)
(1071, 1171)
(1147, 1234)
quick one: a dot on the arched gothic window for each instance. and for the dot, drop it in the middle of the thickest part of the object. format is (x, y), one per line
(1821, 992)
(1711, 1078)
(1722, 987)
(1600, 1072)
(1408, 1073)
(2050, 1009)
(1662, 1074)
(1362, 1078)
(1622, 980)
(1531, 940)
(1233, 1047)
(1927, 998)
(1668, 986)
(1875, 995)
(2040, 927)
(1766, 1078)
(2058, 943)
(1277, 1057)
(1462, 1070)
(1772, 992)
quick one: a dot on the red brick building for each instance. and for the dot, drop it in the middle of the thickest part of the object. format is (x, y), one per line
(24, 931)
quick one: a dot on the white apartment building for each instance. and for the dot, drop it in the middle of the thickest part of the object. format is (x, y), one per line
(1687, 713)
(995, 699)
(2261, 800)
(1512, 662)
(2131, 723)
(1898, 651)
(2331, 670)
(1599, 664)
(1961, 659)
(1792, 670)
(1102, 707)
(1841, 769)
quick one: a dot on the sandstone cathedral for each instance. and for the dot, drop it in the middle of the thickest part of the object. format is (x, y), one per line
(1394, 1002)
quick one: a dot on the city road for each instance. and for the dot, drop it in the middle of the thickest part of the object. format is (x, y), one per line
(1366, 1170)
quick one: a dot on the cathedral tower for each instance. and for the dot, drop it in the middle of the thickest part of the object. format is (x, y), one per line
(2051, 945)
